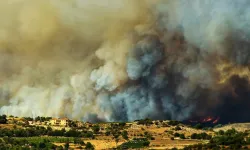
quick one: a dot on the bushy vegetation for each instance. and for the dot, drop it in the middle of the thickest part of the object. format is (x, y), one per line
(146, 121)
(173, 123)
(125, 135)
(177, 128)
(41, 131)
(42, 119)
(203, 136)
(202, 146)
(89, 146)
(230, 139)
(26, 143)
(96, 129)
(136, 143)
(39, 143)
(3, 119)
(148, 136)
(182, 136)
(198, 126)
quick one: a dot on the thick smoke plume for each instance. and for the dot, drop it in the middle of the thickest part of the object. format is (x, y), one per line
(121, 60)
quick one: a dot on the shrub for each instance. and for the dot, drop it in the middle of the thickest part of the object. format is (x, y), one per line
(177, 128)
(176, 134)
(96, 129)
(89, 146)
(136, 143)
(182, 136)
(125, 135)
(198, 126)
(173, 123)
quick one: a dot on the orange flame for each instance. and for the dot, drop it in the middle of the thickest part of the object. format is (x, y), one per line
(207, 119)
(213, 120)
(216, 120)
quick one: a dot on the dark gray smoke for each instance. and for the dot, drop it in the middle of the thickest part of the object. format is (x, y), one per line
(176, 59)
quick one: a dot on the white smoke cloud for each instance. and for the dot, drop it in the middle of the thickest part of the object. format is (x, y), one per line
(117, 60)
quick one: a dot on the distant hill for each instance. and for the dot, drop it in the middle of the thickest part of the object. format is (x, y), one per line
(237, 126)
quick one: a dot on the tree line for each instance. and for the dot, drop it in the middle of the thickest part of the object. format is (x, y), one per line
(41, 131)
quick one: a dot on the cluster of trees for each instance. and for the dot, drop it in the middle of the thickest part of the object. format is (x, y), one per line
(41, 143)
(21, 132)
(3, 119)
(230, 139)
(89, 146)
(40, 131)
(38, 118)
(173, 123)
(203, 136)
(148, 136)
(198, 126)
(202, 146)
(177, 128)
(117, 130)
(96, 129)
(182, 136)
(13, 143)
(124, 134)
(42, 119)
(136, 143)
(146, 122)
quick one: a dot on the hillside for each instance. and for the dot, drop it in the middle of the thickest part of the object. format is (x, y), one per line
(237, 126)
(61, 133)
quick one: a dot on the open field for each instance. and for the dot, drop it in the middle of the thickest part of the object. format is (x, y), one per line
(168, 144)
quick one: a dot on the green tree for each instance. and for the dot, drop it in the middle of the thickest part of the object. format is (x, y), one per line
(198, 126)
(146, 121)
(177, 128)
(72, 133)
(3, 119)
(96, 129)
(125, 135)
(173, 122)
(122, 124)
(42, 145)
(78, 140)
(107, 133)
(66, 146)
(182, 136)
(28, 118)
(176, 134)
(38, 118)
(89, 146)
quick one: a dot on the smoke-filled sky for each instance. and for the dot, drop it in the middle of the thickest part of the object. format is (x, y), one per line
(122, 60)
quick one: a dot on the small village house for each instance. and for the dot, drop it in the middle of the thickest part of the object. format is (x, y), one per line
(64, 122)
(55, 122)
(59, 122)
